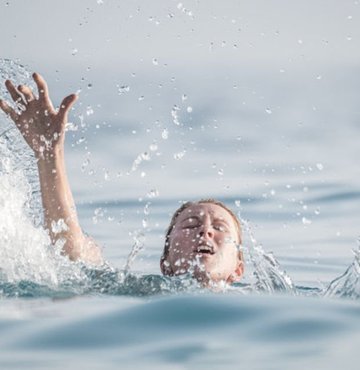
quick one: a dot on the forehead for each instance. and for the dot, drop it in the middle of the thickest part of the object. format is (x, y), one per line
(204, 210)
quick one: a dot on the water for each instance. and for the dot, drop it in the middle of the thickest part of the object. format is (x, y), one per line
(289, 170)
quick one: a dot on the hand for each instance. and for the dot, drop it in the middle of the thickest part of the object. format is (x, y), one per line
(42, 127)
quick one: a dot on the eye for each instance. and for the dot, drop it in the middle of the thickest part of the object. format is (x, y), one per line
(220, 227)
(190, 226)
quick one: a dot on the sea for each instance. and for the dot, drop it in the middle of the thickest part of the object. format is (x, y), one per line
(279, 147)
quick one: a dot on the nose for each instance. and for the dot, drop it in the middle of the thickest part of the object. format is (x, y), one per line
(206, 231)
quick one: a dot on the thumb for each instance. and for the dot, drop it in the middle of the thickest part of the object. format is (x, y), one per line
(66, 105)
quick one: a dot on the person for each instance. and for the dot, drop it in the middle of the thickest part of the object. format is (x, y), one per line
(203, 237)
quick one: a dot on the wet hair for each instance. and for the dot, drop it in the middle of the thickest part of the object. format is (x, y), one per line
(167, 270)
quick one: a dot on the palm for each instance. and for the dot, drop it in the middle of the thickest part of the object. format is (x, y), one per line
(40, 124)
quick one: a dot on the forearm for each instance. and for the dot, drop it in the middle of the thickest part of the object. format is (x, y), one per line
(43, 128)
(59, 209)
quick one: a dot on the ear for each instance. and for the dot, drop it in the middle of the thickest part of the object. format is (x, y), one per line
(235, 277)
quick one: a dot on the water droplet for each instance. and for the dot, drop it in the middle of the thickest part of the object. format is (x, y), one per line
(89, 86)
(81, 140)
(89, 110)
(165, 134)
(300, 42)
(71, 127)
(174, 115)
(238, 203)
(123, 89)
(147, 209)
(319, 166)
(306, 221)
(153, 193)
(268, 111)
(184, 97)
(179, 155)
(189, 109)
(141, 98)
(74, 51)
(153, 147)
(220, 172)
(155, 62)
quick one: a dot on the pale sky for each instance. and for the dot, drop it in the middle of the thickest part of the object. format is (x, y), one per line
(65, 34)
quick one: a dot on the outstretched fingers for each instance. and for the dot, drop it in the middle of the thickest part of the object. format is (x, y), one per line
(14, 93)
(27, 93)
(43, 89)
(66, 105)
(9, 111)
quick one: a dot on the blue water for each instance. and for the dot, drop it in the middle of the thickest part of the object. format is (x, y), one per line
(280, 151)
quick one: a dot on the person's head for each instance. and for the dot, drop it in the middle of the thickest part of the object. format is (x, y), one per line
(203, 239)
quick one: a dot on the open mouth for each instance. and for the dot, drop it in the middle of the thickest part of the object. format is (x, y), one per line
(205, 249)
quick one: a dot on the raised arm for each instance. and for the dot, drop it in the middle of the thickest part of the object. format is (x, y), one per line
(43, 128)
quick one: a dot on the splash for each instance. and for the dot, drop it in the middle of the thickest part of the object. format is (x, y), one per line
(347, 285)
(26, 253)
(267, 271)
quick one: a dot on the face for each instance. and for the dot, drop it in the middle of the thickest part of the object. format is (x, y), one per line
(204, 242)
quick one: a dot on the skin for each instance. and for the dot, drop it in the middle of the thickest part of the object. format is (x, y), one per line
(204, 242)
(43, 128)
